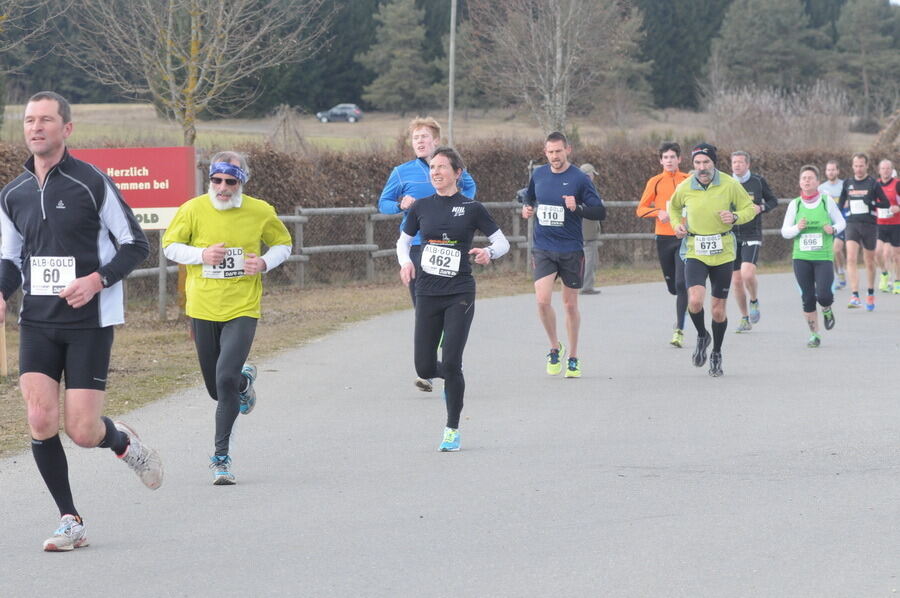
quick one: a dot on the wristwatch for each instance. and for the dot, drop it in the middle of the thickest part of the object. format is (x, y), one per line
(104, 281)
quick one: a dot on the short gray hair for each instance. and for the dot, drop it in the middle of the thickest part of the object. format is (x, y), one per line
(228, 156)
(741, 153)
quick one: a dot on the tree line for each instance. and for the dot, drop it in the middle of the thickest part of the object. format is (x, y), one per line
(555, 57)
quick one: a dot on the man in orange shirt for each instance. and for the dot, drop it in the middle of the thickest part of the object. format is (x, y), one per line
(653, 204)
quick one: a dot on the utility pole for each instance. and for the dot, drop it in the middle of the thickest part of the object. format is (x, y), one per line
(452, 72)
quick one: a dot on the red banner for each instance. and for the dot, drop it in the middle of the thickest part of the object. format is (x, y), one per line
(154, 181)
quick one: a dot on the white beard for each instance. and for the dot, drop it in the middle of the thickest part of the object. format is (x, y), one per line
(233, 202)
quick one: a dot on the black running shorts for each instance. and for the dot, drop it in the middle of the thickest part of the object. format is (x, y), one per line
(889, 233)
(567, 266)
(746, 251)
(696, 273)
(864, 233)
(81, 353)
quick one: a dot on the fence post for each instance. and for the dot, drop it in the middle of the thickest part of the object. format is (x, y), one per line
(298, 245)
(529, 236)
(161, 280)
(370, 240)
(516, 231)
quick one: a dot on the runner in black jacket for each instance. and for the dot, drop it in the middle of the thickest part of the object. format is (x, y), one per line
(748, 240)
(69, 239)
(862, 196)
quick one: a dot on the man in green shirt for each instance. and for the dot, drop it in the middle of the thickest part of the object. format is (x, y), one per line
(704, 208)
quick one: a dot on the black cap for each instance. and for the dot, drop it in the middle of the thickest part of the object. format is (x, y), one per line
(704, 148)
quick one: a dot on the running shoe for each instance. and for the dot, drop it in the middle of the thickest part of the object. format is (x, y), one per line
(814, 341)
(854, 302)
(754, 311)
(744, 325)
(573, 369)
(897, 287)
(677, 338)
(142, 459)
(451, 441)
(870, 303)
(221, 466)
(554, 359)
(715, 364)
(248, 395)
(68, 536)
(842, 280)
(884, 283)
(828, 316)
(424, 384)
(700, 350)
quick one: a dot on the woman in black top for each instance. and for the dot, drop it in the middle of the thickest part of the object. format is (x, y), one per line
(445, 288)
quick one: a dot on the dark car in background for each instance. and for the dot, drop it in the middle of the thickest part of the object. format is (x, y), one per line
(348, 112)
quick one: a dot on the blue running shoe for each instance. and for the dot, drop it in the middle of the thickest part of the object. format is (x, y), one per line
(248, 395)
(754, 312)
(451, 441)
(221, 466)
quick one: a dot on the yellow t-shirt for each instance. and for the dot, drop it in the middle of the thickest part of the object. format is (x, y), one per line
(222, 294)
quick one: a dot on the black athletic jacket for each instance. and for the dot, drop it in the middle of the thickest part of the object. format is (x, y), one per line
(868, 191)
(761, 194)
(78, 213)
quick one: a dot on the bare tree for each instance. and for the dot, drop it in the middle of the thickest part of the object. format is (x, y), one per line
(190, 56)
(547, 52)
(21, 21)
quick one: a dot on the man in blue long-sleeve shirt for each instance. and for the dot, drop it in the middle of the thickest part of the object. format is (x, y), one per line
(411, 181)
(560, 195)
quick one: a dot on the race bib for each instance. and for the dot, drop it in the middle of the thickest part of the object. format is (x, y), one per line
(551, 215)
(708, 244)
(885, 213)
(232, 265)
(438, 260)
(858, 206)
(811, 242)
(50, 275)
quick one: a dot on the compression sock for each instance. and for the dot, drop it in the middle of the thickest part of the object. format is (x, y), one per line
(718, 332)
(51, 463)
(697, 319)
(114, 438)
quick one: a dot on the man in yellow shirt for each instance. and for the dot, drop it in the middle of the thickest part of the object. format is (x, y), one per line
(219, 237)
(713, 204)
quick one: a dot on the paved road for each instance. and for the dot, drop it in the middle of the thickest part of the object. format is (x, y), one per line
(644, 478)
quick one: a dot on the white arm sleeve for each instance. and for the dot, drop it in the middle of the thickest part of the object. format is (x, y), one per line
(403, 245)
(837, 219)
(789, 229)
(499, 244)
(276, 255)
(182, 253)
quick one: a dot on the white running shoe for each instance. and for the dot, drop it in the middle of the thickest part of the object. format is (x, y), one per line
(141, 458)
(424, 384)
(68, 536)
(221, 466)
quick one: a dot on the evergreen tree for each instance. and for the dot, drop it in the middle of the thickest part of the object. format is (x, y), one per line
(823, 15)
(677, 44)
(332, 76)
(403, 80)
(766, 43)
(469, 93)
(868, 56)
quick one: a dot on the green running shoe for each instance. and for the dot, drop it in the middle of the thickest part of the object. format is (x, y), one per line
(555, 358)
(573, 369)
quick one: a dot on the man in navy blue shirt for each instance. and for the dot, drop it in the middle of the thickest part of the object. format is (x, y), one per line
(560, 195)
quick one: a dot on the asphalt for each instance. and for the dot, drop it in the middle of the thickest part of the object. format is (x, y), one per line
(646, 477)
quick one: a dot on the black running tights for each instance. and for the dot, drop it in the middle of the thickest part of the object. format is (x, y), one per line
(451, 315)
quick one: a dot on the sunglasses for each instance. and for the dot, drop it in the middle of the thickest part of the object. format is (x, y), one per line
(215, 180)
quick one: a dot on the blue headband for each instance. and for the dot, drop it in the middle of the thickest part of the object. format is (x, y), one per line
(228, 168)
